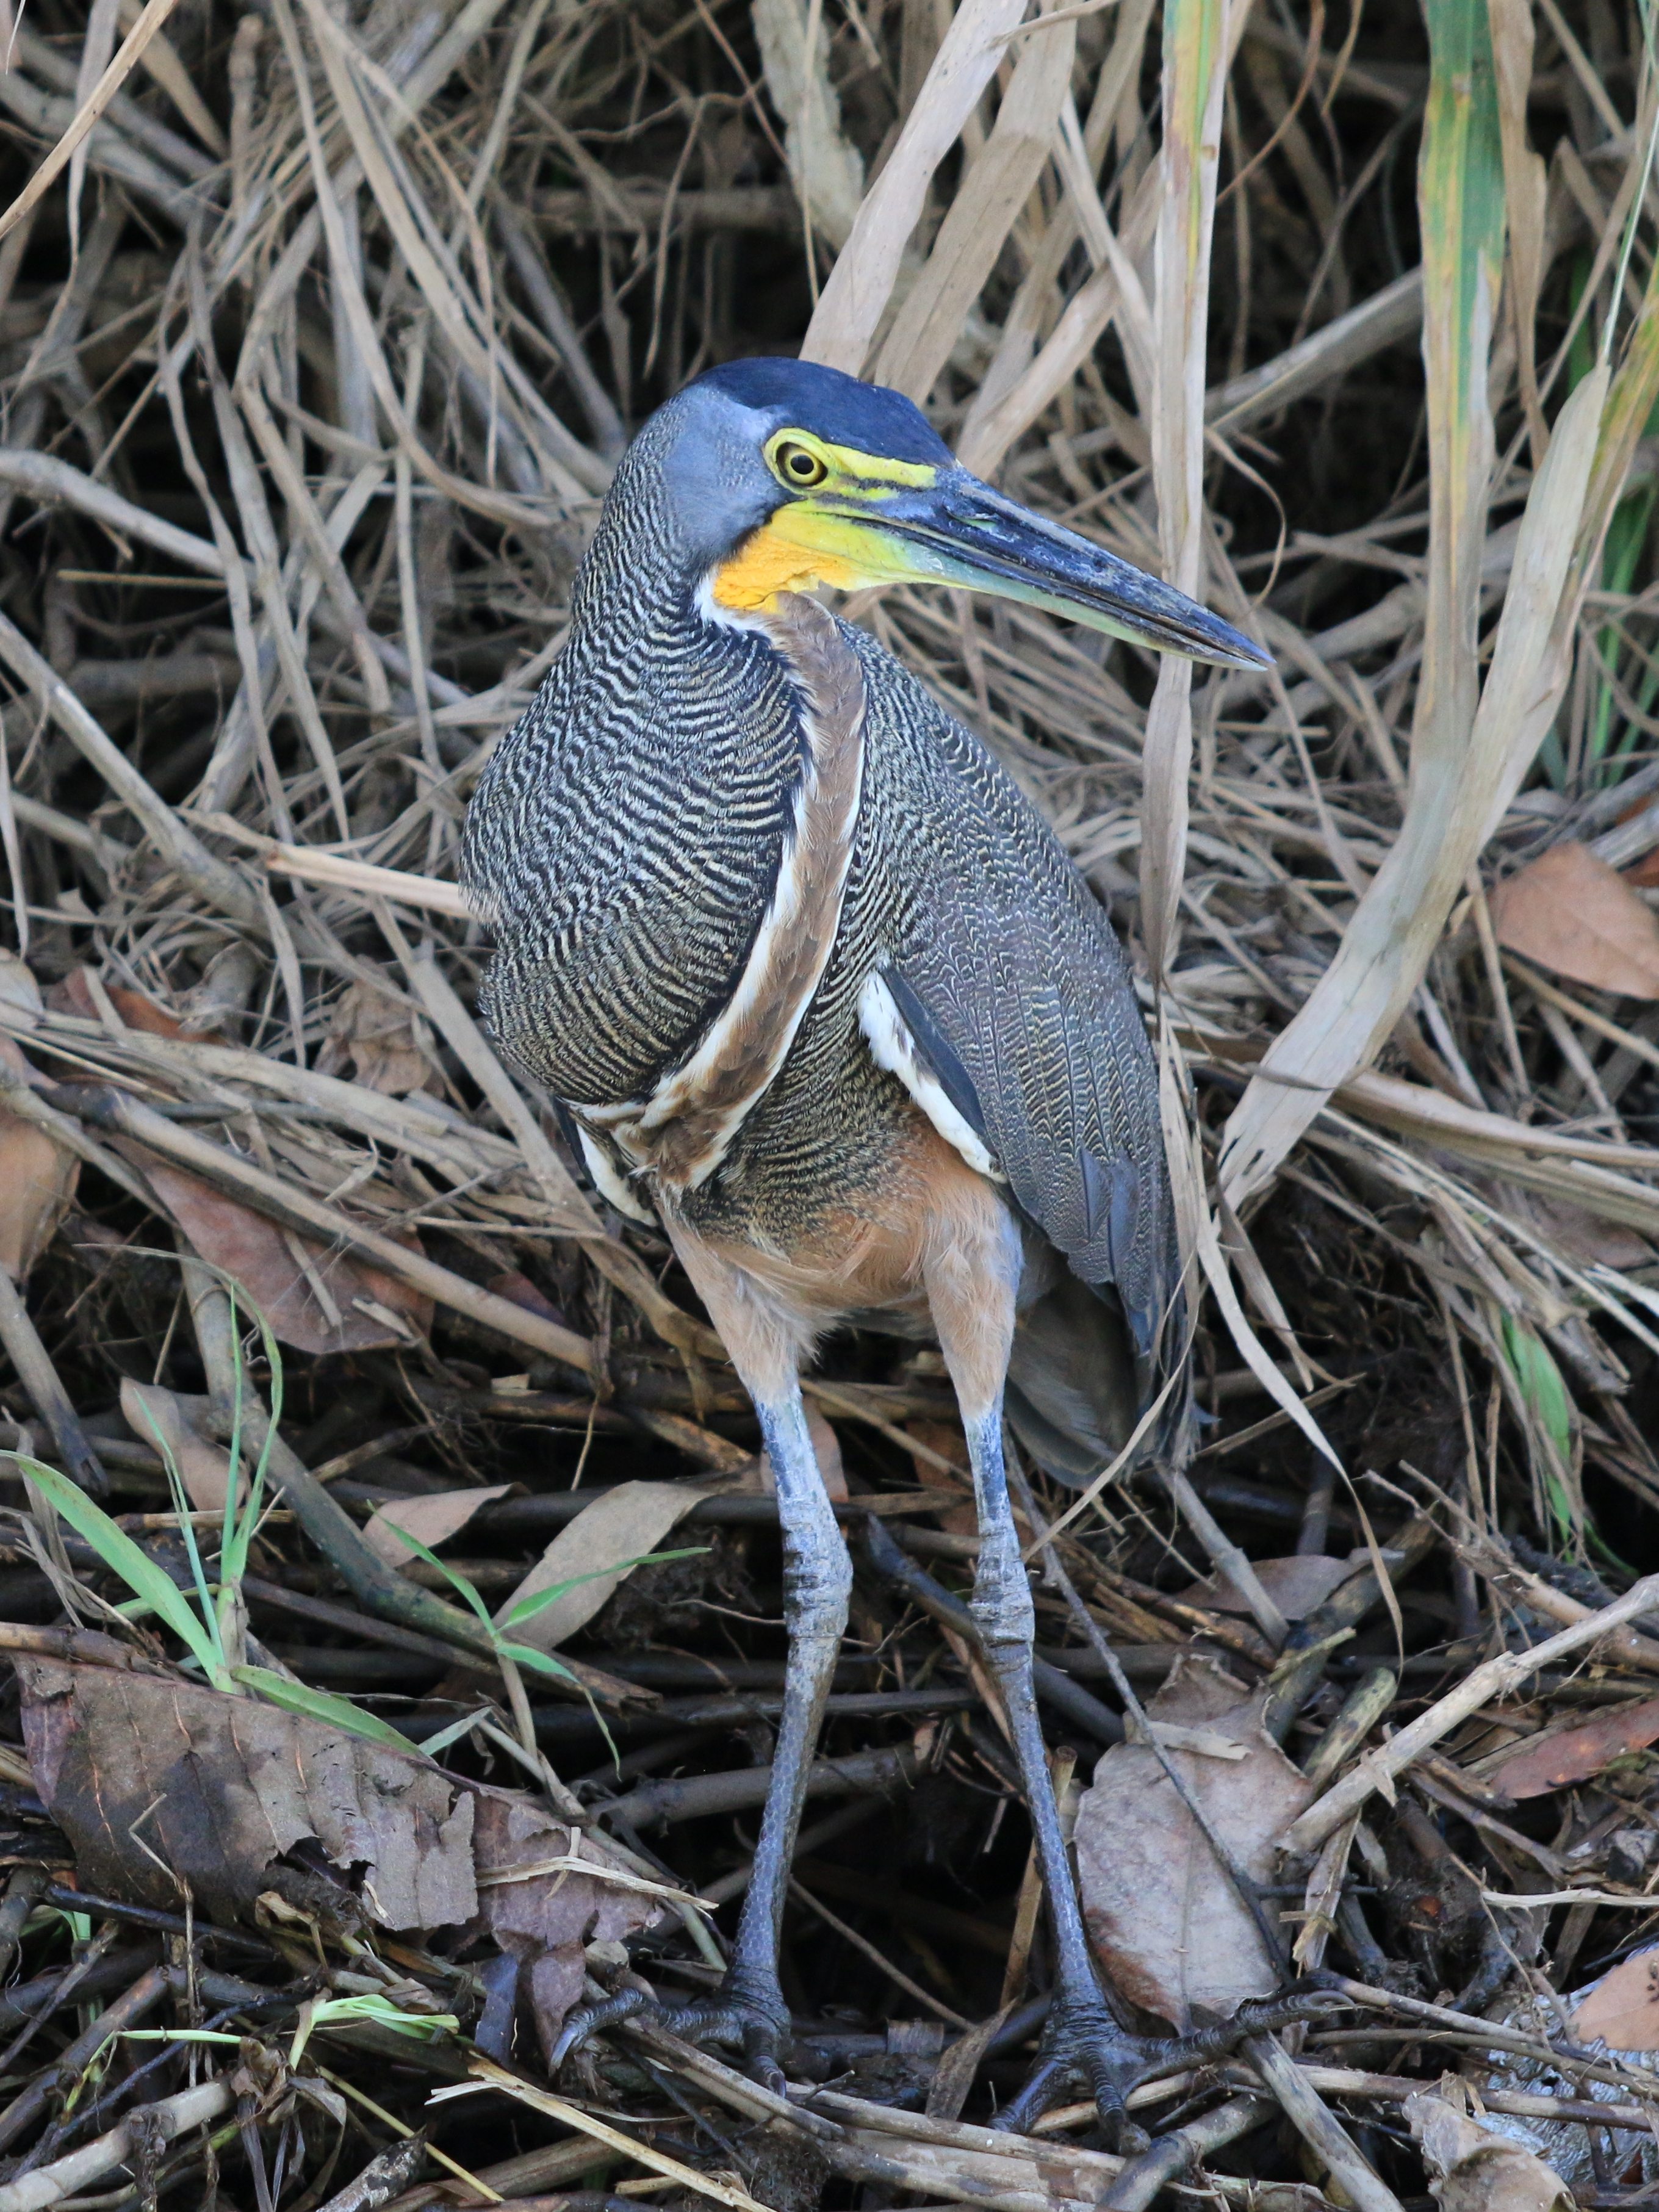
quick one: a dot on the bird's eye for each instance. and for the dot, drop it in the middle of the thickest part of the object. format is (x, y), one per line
(799, 465)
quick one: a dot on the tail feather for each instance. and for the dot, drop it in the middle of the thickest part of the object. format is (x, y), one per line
(1074, 1396)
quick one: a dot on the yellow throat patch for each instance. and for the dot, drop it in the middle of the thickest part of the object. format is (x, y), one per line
(805, 543)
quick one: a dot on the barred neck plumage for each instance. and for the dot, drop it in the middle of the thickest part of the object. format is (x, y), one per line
(626, 837)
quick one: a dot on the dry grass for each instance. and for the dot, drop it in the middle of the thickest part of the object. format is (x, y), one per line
(301, 455)
(317, 358)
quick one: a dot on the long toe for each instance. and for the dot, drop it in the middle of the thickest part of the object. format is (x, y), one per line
(593, 2019)
(1043, 2087)
(757, 2025)
(737, 2018)
(1084, 2048)
(761, 2054)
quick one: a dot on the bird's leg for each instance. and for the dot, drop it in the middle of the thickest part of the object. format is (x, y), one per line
(1082, 2043)
(748, 2011)
(971, 1285)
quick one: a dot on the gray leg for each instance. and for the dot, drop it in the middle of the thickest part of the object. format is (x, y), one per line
(818, 1579)
(972, 1278)
(749, 2011)
(1082, 2042)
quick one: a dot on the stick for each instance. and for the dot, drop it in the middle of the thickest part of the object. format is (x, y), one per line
(1171, 2156)
(46, 1392)
(1494, 1679)
(296, 1208)
(121, 67)
(166, 2122)
(223, 888)
(1515, 1581)
(1319, 2128)
(31, 2102)
(338, 871)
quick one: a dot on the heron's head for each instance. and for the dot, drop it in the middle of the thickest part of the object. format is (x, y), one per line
(785, 476)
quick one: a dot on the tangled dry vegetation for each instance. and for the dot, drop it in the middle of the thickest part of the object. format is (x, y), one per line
(319, 346)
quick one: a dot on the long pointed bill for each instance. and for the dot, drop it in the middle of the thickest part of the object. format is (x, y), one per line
(958, 531)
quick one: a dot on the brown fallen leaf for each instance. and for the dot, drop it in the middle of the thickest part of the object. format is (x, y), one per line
(1576, 1753)
(523, 1292)
(1165, 1920)
(37, 1178)
(623, 1524)
(541, 1910)
(1472, 2169)
(432, 1520)
(1622, 2009)
(1298, 1586)
(165, 1788)
(1587, 1238)
(375, 1033)
(260, 1256)
(74, 994)
(945, 1437)
(1572, 914)
(161, 1419)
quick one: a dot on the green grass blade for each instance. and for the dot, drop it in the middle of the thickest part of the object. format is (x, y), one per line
(456, 1581)
(123, 1557)
(181, 1506)
(309, 1705)
(539, 1600)
(525, 1655)
(1541, 1385)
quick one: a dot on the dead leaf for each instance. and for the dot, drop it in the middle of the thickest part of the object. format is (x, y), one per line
(1587, 1237)
(1165, 1920)
(523, 1292)
(1298, 1586)
(374, 1033)
(432, 1520)
(260, 1256)
(1572, 914)
(165, 1788)
(161, 1786)
(74, 994)
(1622, 2009)
(151, 1411)
(945, 1437)
(625, 1523)
(547, 1919)
(38, 1183)
(1478, 2170)
(1576, 1753)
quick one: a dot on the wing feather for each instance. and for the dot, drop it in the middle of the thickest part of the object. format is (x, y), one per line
(1009, 978)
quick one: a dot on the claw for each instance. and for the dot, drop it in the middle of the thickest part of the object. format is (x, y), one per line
(756, 2023)
(1083, 2046)
(593, 2019)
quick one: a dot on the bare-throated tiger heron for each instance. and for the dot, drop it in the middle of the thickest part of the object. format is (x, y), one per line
(825, 998)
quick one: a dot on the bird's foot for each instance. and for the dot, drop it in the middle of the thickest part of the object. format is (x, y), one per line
(745, 2014)
(1084, 2048)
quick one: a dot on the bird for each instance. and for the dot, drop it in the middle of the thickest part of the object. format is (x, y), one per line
(821, 995)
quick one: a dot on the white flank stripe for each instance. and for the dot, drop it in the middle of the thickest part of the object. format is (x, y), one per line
(893, 1047)
(608, 1183)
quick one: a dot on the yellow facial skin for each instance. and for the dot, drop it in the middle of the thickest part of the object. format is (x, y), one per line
(805, 544)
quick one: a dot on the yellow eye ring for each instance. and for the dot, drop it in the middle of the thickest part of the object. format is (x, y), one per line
(799, 466)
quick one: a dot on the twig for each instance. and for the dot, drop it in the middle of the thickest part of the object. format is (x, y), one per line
(1494, 1679)
(164, 2122)
(1174, 2154)
(38, 1375)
